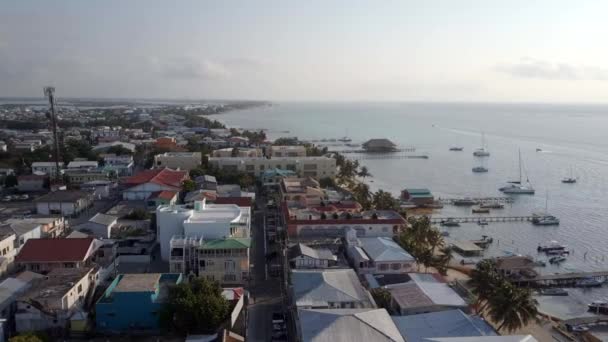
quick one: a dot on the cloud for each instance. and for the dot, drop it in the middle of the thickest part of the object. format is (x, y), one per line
(538, 69)
(188, 68)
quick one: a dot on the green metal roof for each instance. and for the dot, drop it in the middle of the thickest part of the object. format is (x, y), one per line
(230, 243)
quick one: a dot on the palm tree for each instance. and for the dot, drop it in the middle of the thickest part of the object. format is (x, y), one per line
(364, 172)
(484, 281)
(384, 201)
(512, 307)
(362, 195)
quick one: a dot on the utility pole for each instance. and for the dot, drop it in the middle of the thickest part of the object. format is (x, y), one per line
(49, 92)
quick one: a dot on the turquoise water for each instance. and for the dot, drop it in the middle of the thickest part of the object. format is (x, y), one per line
(571, 136)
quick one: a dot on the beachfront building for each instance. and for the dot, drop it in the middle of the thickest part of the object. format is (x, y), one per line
(329, 289)
(417, 196)
(317, 167)
(377, 255)
(305, 191)
(178, 160)
(144, 184)
(237, 152)
(133, 302)
(312, 223)
(287, 151)
(379, 145)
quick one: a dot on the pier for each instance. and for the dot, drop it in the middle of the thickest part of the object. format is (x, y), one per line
(475, 219)
(562, 279)
(482, 200)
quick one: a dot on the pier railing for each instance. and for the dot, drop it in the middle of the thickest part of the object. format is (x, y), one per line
(474, 219)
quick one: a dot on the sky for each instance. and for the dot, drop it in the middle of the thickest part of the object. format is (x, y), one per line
(431, 50)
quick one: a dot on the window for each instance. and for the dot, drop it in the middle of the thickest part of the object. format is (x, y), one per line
(79, 288)
(230, 277)
(310, 166)
(385, 229)
(201, 264)
(229, 265)
(383, 267)
(396, 267)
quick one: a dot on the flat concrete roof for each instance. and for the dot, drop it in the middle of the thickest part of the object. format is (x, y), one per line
(137, 282)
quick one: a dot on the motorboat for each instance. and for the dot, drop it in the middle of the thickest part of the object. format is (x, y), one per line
(551, 246)
(482, 151)
(599, 307)
(557, 259)
(518, 187)
(445, 233)
(482, 222)
(588, 282)
(463, 202)
(547, 220)
(557, 252)
(479, 169)
(494, 205)
(553, 292)
(480, 210)
(456, 149)
(345, 139)
(450, 223)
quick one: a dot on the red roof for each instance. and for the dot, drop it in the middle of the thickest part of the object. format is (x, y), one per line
(165, 194)
(54, 250)
(166, 177)
(239, 201)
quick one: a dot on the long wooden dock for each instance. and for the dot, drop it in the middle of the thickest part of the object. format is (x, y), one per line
(500, 199)
(475, 219)
(561, 279)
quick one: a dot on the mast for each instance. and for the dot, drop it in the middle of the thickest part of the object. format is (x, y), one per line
(519, 152)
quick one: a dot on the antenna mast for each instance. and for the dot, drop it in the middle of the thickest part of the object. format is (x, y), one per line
(49, 92)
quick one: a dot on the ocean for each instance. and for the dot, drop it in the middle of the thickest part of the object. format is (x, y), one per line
(571, 137)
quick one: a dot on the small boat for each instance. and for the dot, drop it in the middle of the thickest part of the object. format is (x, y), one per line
(479, 169)
(482, 151)
(464, 202)
(450, 223)
(599, 307)
(588, 282)
(517, 187)
(539, 150)
(482, 222)
(569, 180)
(557, 259)
(547, 220)
(494, 205)
(456, 148)
(345, 139)
(553, 292)
(557, 252)
(484, 242)
(445, 233)
(480, 210)
(551, 246)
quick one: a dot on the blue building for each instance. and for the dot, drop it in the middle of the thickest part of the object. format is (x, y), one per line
(133, 301)
(274, 176)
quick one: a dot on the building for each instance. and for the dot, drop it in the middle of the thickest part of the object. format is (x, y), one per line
(311, 223)
(99, 225)
(133, 302)
(121, 165)
(418, 196)
(145, 183)
(304, 191)
(99, 188)
(238, 141)
(47, 168)
(64, 202)
(44, 255)
(200, 195)
(165, 197)
(515, 265)
(166, 143)
(377, 255)
(55, 301)
(83, 164)
(379, 145)
(32, 183)
(240, 152)
(317, 167)
(210, 221)
(82, 176)
(224, 260)
(23, 229)
(466, 248)
(449, 323)
(273, 177)
(178, 160)
(104, 147)
(286, 151)
(329, 289)
(7, 250)
(105, 132)
(423, 294)
(301, 256)
(352, 325)
(50, 226)
(206, 182)
(10, 290)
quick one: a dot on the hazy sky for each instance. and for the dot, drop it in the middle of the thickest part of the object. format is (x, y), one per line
(546, 51)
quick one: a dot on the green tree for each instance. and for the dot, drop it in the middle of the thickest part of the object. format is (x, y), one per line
(119, 150)
(362, 194)
(382, 297)
(364, 172)
(484, 281)
(188, 185)
(512, 307)
(327, 182)
(383, 200)
(10, 181)
(285, 141)
(234, 152)
(422, 241)
(194, 307)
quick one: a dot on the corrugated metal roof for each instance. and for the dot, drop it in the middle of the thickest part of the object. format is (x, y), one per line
(348, 325)
(511, 338)
(317, 288)
(384, 249)
(302, 249)
(450, 323)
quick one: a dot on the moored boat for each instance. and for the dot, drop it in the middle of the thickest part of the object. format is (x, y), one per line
(588, 282)
(450, 223)
(494, 205)
(551, 246)
(456, 148)
(553, 292)
(480, 210)
(465, 202)
(547, 220)
(599, 307)
(557, 259)
(479, 169)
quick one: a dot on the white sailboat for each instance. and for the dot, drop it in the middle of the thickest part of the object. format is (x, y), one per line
(482, 151)
(545, 219)
(518, 187)
(481, 168)
(569, 180)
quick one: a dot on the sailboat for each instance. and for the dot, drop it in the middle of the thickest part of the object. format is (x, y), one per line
(545, 219)
(569, 180)
(481, 168)
(517, 187)
(482, 151)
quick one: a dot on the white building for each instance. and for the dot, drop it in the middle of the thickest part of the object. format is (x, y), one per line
(65, 202)
(318, 167)
(329, 289)
(240, 152)
(48, 168)
(122, 165)
(302, 256)
(377, 255)
(287, 151)
(209, 221)
(178, 160)
(99, 225)
(83, 164)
